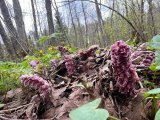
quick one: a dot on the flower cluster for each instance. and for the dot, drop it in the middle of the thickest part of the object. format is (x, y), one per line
(38, 83)
(88, 53)
(124, 71)
(148, 59)
(33, 63)
(62, 49)
(54, 63)
(70, 66)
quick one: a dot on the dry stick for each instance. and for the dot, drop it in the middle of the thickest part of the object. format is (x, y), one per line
(116, 104)
(4, 118)
(13, 109)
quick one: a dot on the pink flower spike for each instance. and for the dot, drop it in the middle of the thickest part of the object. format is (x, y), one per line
(36, 82)
(124, 71)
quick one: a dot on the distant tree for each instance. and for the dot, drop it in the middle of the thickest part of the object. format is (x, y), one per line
(7, 42)
(13, 32)
(35, 21)
(49, 16)
(20, 24)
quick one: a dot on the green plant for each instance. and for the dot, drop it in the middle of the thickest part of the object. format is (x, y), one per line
(89, 111)
(153, 95)
(154, 44)
(157, 117)
(10, 73)
(45, 38)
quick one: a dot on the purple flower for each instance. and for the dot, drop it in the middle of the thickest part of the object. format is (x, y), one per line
(62, 49)
(88, 53)
(70, 66)
(124, 71)
(34, 63)
(36, 82)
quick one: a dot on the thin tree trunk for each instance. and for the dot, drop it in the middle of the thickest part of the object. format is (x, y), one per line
(7, 42)
(60, 22)
(100, 24)
(151, 17)
(86, 26)
(20, 24)
(39, 23)
(8, 22)
(1, 53)
(80, 32)
(73, 24)
(35, 21)
(49, 16)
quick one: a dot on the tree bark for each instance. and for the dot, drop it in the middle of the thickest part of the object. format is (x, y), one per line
(85, 22)
(8, 22)
(151, 18)
(100, 24)
(49, 16)
(7, 42)
(20, 24)
(73, 24)
(35, 21)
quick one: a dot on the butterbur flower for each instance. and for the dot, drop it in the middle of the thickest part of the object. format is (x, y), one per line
(33, 63)
(70, 66)
(124, 71)
(62, 49)
(36, 82)
(88, 53)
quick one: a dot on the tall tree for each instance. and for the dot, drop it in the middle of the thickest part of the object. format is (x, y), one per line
(34, 19)
(151, 17)
(100, 24)
(8, 22)
(49, 16)
(20, 24)
(7, 42)
(85, 22)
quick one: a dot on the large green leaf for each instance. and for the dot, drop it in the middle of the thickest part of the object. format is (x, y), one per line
(155, 42)
(152, 92)
(89, 112)
(157, 117)
(156, 38)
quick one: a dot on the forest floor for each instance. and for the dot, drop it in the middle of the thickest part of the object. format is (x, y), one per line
(79, 78)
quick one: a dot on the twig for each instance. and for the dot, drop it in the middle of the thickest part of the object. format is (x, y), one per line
(116, 104)
(13, 109)
(4, 118)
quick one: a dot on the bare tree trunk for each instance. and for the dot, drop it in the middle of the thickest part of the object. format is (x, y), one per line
(86, 26)
(8, 22)
(20, 24)
(35, 21)
(151, 17)
(1, 53)
(7, 42)
(80, 32)
(73, 24)
(100, 23)
(49, 16)
(39, 23)
(59, 20)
